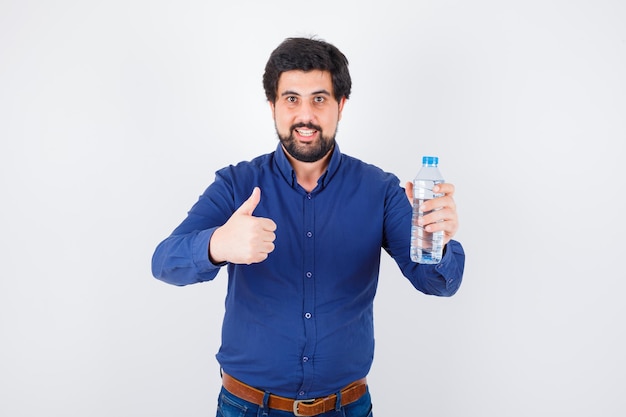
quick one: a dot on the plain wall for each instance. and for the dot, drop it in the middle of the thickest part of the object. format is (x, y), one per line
(115, 115)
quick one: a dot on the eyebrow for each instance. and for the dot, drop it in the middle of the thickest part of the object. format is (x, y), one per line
(314, 93)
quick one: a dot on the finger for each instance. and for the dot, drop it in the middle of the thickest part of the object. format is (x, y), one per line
(444, 188)
(438, 203)
(440, 220)
(267, 224)
(435, 216)
(268, 247)
(250, 204)
(260, 252)
(448, 227)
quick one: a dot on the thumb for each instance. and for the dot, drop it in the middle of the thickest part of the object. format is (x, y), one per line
(409, 191)
(250, 204)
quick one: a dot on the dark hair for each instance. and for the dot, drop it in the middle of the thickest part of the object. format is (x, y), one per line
(307, 54)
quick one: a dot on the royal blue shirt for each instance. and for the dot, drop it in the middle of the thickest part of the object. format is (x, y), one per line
(300, 323)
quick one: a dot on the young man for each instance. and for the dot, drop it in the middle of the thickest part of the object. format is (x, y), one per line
(300, 231)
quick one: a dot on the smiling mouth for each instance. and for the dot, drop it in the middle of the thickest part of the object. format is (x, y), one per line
(306, 132)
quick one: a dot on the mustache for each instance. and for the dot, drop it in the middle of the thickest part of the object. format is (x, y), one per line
(307, 126)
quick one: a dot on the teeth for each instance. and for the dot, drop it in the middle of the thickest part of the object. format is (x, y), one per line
(305, 132)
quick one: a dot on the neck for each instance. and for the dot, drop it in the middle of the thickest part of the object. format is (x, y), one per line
(308, 173)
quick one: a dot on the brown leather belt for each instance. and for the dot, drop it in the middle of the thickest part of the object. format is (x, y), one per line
(313, 407)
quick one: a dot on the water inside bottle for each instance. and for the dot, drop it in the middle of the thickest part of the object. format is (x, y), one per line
(426, 247)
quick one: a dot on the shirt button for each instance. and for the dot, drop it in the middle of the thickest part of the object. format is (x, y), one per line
(305, 359)
(307, 315)
(309, 275)
(309, 196)
(309, 234)
(301, 393)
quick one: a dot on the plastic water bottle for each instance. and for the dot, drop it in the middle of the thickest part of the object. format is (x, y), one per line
(426, 248)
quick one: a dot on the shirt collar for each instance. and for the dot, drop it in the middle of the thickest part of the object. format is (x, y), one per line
(285, 168)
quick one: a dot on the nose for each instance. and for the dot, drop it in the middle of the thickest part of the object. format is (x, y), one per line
(306, 113)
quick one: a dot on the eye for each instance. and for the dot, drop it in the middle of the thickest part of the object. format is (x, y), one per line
(319, 99)
(292, 99)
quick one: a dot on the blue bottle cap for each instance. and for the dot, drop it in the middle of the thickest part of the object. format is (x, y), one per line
(430, 160)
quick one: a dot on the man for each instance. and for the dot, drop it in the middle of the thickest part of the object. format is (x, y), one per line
(300, 231)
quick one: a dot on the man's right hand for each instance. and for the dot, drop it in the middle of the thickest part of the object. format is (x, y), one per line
(243, 239)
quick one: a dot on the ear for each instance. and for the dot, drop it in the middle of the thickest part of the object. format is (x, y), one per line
(341, 103)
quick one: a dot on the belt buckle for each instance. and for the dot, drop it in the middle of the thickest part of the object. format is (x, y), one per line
(295, 406)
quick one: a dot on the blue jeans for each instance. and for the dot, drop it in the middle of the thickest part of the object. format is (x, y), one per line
(230, 406)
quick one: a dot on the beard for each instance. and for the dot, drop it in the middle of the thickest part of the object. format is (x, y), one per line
(309, 152)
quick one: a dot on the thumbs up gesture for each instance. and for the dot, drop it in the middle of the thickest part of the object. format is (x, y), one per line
(243, 239)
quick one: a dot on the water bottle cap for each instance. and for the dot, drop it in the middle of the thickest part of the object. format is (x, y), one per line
(430, 160)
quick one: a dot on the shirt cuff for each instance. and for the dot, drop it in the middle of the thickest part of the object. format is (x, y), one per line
(201, 251)
(452, 264)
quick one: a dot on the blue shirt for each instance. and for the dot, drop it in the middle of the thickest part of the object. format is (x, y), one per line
(300, 323)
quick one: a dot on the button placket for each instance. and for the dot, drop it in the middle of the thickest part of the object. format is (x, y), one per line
(308, 283)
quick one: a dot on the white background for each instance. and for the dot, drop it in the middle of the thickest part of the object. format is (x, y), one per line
(115, 115)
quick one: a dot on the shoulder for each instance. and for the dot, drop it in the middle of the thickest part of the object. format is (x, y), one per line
(235, 182)
(258, 164)
(368, 170)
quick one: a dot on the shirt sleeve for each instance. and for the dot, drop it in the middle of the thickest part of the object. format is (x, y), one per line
(183, 257)
(444, 278)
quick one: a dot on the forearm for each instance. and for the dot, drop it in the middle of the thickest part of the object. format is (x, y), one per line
(184, 259)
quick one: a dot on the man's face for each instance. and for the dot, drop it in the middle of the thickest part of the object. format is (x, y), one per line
(306, 114)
